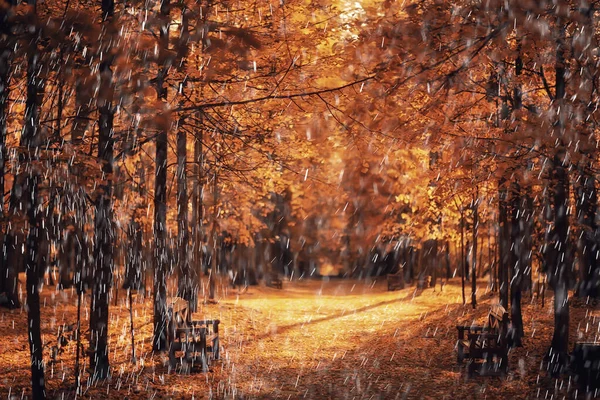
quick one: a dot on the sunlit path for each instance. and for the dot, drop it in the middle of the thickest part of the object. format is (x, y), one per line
(312, 339)
(348, 340)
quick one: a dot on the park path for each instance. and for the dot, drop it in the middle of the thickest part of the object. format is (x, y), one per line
(349, 340)
(312, 339)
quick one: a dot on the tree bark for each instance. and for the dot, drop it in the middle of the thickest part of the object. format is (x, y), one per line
(102, 274)
(447, 259)
(197, 204)
(34, 273)
(527, 248)
(516, 329)
(474, 252)
(8, 271)
(187, 278)
(66, 260)
(103, 251)
(82, 111)
(214, 245)
(504, 242)
(31, 141)
(558, 269)
(491, 260)
(480, 264)
(160, 202)
(462, 256)
(587, 205)
(134, 256)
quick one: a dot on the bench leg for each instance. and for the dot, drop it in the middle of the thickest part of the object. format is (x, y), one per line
(186, 367)
(172, 359)
(216, 349)
(203, 358)
(460, 356)
(504, 364)
(471, 367)
(187, 357)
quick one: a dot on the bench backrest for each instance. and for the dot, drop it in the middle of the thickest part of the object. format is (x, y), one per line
(497, 316)
(180, 309)
(498, 321)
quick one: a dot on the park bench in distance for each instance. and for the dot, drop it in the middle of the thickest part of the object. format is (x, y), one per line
(485, 347)
(424, 282)
(273, 280)
(197, 341)
(395, 281)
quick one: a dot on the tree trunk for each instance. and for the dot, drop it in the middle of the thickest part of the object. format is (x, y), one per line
(480, 265)
(78, 344)
(491, 259)
(133, 260)
(160, 201)
(34, 273)
(558, 269)
(197, 215)
(131, 325)
(587, 205)
(462, 256)
(8, 271)
(496, 256)
(75, 194)
(82, 111)
(527, 248)
(474, 253)
(504, 242)
(558, 266)
(516, 330)
(214, 245)
(447, 259)
(187, 278)
(139, 259)
(103, 250)
(160, 243)
(31, 141)
(66, 262)
(51, 236)
(559, 349)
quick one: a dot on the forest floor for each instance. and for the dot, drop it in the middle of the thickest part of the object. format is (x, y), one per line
(312, 339)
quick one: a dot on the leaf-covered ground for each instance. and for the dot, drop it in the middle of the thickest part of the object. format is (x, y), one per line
(313, 339)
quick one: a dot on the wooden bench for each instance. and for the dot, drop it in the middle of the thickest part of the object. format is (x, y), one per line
(395, 281)
(585, 363)
(193, 342)
(486, 346)
(272, 280)
(424, 282)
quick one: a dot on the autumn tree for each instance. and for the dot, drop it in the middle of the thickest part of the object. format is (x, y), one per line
(8, 270)
(31, 141)
(103, 251)
(160, 192)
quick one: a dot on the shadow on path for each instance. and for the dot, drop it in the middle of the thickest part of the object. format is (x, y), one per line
(285, 328)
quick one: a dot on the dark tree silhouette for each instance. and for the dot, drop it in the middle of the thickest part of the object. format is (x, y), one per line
(160, 198)
(31, 141)
(8, 269)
